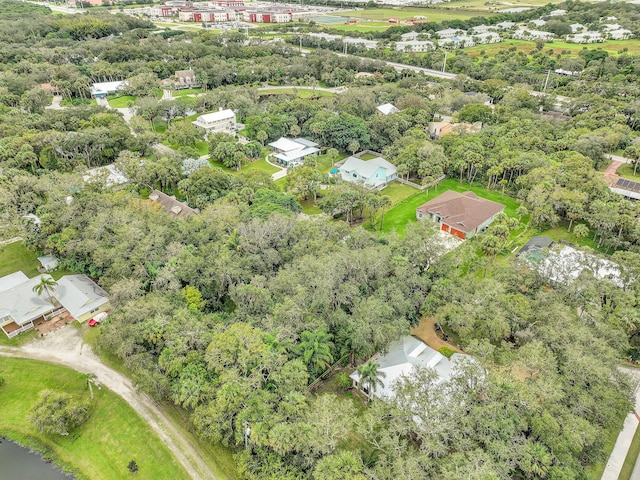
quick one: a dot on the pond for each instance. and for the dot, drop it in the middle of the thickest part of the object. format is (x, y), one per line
(18, 463)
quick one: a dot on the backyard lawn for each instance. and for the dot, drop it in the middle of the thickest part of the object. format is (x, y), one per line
(15, 256)
(122, 101)
(404, 212)
(398, 192)
(103, 446)
(626, 171)
(301, 92)
(260, 165)
(186, 91)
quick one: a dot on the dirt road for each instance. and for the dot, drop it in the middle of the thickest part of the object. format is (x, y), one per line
(65, 347)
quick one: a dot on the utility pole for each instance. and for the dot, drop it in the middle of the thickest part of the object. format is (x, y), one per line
(444, 64)
(300, 45)
(546, 82)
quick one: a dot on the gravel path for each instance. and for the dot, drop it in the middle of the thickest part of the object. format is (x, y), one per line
(65, 347)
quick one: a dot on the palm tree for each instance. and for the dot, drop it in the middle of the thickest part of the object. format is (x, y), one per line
(371, 377)
(385, 201)
(46, 284)
(316, 349)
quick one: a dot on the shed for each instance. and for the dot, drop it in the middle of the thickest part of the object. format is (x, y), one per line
(47, 263)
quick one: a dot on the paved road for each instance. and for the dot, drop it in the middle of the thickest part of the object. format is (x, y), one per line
(620, 449)
(65, 347)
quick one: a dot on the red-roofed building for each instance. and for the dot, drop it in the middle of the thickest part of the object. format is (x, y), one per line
(460, 214)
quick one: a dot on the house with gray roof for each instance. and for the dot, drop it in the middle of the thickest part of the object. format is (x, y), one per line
(20, 306)
(403, 356)
(291, 152)
(81, 296)
(374, 173)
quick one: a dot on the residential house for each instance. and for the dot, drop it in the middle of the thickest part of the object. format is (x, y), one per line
(325, 36)
(611, 26)
(415, 46)
(374, 173)
(445, 127)
(563, 264)
(449, 33)
(102, 89)
(488, 37)
(406, 37)
(361, 42)
(535, 247)
(185, 79)
(621, 34)
(220, 121)
(481, 29)
(387, 109)
(402, 357)
(292, 152)
(107, 175)
(456, 42)
(557, 13)
(525, 34)
(460, 214)
(170, 205)
(627, 188)
(81, 297)
(538, 22)
(504, 26)
(585, 37)
(20, 306)
(577, 27)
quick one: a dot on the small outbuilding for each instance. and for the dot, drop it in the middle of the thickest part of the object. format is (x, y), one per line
(47, 263)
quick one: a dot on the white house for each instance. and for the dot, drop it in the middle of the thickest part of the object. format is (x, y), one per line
(81, 296)
(220, 121)
(481, 29)
(505, 25)
(387, 109)
(488, 37)
(524, 34)
(538, 22)
(611, 26)
(325, 36)
(456, 42)
(557, 13)
(108, 175)
(585, 37)
(415, 46)
(403, 356)
(620, 34)
(101, 90)
(577, 27)
(374, 173)
(410, 36)
(292, 152)
(20, 306)
(361, 42)
(449, 33)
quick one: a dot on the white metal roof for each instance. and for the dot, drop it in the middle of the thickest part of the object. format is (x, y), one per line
(388, 108)
(79, 294)
(12, 280)
(216, 116)
(22, 303)
(107, 87)
(365, 168)
(109, 173)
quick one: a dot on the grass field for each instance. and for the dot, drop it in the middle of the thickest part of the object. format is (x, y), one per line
(260, 165)
(122, 101)
(15, 256)
(398, 192)
(302, 92)
(366, 26)
(404, 212)
(632, 456)
(102, 447)
(610, 46)
(407, 13)
(186, 91)
(626, 171)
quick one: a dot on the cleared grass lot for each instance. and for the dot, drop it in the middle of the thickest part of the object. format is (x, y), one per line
(101, 448)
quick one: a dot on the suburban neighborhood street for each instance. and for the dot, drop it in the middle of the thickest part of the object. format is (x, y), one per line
(66, 347)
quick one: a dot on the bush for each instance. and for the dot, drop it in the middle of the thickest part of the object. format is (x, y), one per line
(446, 351)
(1, 380)
(343, 381)
(133, 466)
(58, 413)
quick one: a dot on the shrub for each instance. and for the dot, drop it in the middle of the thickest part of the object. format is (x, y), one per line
(1, 380)
(133, 466)
(446, 351)
(343, 381)
(58, 413)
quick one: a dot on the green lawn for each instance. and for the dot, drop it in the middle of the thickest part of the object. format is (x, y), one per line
(626, 171)
(404, 212)
(301, 92)
(15, 256)
(187, 91)
(202, 147)
(260, 165)
(102, 447)
(77, 102)
(610, 46)
(122, 101)
(323, 162)
(309, 207)
(399, 191)
(632, 456)
(407, 13)
(366, 26)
